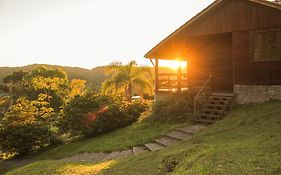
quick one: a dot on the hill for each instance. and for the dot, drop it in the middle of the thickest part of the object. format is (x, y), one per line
(93, 76)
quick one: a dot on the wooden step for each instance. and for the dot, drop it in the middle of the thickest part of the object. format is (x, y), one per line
(208, 105)
(166, 141)
(206, 121)
(139, 149)
(178, 135)
(154, 146)
(222, 94)
(191, 129)
(112, 155)
(220, 102)
(209, 116)
(125, 153)
(212, 111)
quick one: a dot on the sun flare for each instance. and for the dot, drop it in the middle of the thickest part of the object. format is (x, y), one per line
(174, 64)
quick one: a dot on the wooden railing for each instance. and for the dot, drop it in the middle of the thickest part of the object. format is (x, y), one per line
(202, 95)
(169, 82)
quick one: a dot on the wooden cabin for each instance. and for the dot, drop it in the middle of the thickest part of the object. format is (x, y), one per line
(232, 45)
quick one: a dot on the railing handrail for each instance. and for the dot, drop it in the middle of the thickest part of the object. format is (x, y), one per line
(200, 91)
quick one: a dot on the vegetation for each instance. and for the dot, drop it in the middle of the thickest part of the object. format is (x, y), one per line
(43, 107)
(96, 114)
(127, 79)
(247, 141)
(180, 110)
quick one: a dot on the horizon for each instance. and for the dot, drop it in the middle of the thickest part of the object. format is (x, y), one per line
(87, 34)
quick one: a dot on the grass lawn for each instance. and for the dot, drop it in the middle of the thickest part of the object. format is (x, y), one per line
(132, 135)
(247, 141)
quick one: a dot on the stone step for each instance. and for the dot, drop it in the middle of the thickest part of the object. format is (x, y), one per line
(205, 121)
(154, 146)
(112, 155)
(191, 129)
(125, 153)
(178, 135)
(86, 157)
(139, 149)
(166, 141)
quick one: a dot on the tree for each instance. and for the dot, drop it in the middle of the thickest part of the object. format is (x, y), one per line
(127, 79)
(13, 84)
(77, 87)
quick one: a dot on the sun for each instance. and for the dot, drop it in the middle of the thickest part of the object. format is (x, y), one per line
(174, 64)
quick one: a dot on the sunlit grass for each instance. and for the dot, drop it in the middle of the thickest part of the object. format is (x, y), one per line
(61, 168)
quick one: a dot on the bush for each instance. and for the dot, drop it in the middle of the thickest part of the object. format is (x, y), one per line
(178, 107)
(25, 127)
(95, 114)
(22, 139)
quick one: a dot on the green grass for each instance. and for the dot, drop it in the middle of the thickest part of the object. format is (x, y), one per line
(132, 135)
(247, 141)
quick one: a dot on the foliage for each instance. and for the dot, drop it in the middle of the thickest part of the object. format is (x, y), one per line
(128, 79)
(13, 83)
(177, 107)
(98, 113)
(24, 127)
(77, 87)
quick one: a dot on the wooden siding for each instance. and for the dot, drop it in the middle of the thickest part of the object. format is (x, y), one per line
(214, 58)
(249, 72)
(235, 15)
(228, 16)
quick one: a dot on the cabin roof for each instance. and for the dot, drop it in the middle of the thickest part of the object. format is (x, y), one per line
(212, 6)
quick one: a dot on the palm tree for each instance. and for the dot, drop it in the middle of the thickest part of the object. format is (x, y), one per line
(128, 78)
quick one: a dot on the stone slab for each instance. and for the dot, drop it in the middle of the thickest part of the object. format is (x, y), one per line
(178, 135)
(125, 153)
(139, 150)
(166, 141)
(154, 146)
(191, 129)
(112, 155)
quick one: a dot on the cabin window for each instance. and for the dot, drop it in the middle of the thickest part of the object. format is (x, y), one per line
(266, 45)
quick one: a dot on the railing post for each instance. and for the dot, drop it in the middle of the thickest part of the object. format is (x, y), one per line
(179, 79)
(156, 69)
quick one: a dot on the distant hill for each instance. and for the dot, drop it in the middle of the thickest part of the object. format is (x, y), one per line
(93, 76)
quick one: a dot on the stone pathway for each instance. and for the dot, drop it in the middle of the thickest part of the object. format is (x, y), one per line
(169, 139)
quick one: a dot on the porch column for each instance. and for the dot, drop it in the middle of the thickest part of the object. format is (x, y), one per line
(156, 69)
(179, 79)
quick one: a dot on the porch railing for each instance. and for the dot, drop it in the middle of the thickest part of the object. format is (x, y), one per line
(202, 95)
(169, 82)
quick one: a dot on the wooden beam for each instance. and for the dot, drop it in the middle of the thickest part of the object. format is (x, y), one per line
(156, 69)
(179, 79)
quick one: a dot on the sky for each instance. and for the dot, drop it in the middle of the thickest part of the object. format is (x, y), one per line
(87, 33)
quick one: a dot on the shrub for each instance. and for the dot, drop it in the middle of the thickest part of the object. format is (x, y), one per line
(178, 107)
(22, 139)
(25, 127)
(95, 114)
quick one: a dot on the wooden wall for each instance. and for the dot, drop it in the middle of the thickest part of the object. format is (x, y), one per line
(249, 72)
(214, 57)
(226, 17)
